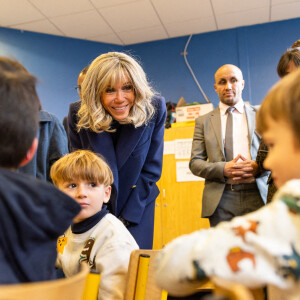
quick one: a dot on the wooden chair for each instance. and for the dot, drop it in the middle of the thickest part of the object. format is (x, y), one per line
(234, 291)
(153, 292)
(66, 288)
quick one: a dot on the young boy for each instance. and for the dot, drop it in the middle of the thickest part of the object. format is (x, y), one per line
(96, 236)
(263, 247)
(33, 214)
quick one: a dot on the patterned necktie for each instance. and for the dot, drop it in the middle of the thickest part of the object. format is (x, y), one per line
(228, 135)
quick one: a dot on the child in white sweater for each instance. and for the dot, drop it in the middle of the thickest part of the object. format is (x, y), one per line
(96, 236)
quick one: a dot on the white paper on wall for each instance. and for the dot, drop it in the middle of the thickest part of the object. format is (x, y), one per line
(169, 147)
(183, 148)
(183, 173)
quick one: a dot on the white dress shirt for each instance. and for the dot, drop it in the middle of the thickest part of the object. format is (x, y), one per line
(240, 129)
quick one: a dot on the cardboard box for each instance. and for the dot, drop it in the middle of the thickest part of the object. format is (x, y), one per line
(191, 112)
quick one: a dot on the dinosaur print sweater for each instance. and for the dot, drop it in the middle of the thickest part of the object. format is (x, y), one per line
(257, 249)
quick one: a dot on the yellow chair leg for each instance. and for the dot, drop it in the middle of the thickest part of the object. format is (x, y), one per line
(91, 286)
(141, 283)
(164, 295)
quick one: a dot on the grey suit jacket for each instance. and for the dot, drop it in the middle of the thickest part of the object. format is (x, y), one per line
(208, 159)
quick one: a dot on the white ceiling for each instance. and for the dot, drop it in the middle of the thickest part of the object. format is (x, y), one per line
(125, 22)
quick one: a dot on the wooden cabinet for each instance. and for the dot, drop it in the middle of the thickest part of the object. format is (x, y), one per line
(178, 206)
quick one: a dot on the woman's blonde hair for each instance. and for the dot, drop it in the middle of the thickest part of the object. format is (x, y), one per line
(81, 165)
(105, 71)
(282, 103)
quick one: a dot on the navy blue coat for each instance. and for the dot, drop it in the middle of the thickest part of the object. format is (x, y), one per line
(136, 163)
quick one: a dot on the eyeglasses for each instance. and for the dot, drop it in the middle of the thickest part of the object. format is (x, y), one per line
(78, 88)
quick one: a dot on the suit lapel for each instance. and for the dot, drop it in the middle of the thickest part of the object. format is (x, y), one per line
(128, 139)
(215, 120)
(250, 115)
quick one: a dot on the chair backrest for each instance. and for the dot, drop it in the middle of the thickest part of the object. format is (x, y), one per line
(153, 292)
(234, 291)
(66, 288)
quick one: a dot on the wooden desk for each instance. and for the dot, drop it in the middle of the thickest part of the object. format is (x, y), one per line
(204, 289)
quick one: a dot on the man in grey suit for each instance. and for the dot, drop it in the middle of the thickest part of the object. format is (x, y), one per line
(224, 150)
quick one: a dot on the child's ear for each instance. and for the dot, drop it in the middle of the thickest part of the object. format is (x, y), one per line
(30, 153)
(107, 194)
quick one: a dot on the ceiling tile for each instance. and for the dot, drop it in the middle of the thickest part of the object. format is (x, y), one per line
(108, 38)
(275, 2)
(243, 18)
(231, 6)
(143, 35)
(285, 11)
(43, 26)
(191, 27)
(131, 16)
(133, 21)
(182, 10)
(83, 25)
(14, 12)
(55, 8)
(108, 3)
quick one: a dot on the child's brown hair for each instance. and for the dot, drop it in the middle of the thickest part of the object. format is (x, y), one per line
(82, 165)
(289, 56)
(282, 103)
(19, 106)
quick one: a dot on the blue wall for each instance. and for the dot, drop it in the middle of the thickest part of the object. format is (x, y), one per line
(56, 61)
(255, 49)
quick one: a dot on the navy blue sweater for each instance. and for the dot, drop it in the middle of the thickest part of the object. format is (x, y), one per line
(33, 214)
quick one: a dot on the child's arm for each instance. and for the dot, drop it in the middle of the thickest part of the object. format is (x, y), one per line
(260, 248)
(112, 263)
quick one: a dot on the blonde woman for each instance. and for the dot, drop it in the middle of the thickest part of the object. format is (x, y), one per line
(121, 118)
